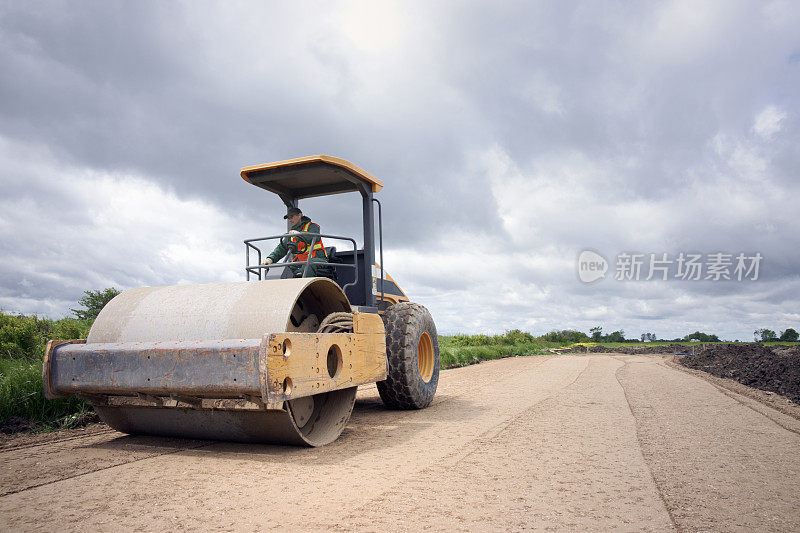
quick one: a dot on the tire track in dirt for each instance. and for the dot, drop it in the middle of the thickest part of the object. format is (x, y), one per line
(641, 450)
(40, 464)
(48, 439)
(482, 440)
(100, 469)
(783, 413)
(582, 472)
(718, 462)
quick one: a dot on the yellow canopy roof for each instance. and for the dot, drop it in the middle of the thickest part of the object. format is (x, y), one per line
(315, 175)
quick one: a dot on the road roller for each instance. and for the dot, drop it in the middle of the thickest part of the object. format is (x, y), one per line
(276, 358)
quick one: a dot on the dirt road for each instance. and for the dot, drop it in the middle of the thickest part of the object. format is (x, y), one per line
(590, 442)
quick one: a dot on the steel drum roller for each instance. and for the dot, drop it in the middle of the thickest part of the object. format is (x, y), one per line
(178, 315)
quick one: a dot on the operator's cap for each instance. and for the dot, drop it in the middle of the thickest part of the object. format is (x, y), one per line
(292, 211)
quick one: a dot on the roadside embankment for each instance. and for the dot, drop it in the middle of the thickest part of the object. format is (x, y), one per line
(770, 368)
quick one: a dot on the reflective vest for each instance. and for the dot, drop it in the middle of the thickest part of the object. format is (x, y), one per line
(302, 247)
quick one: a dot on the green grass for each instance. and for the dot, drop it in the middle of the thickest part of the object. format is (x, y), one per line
(455, 352)
(22, 344)
(22, 396)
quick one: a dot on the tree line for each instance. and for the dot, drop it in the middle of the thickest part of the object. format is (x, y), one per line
(768, 335)
(596, 335)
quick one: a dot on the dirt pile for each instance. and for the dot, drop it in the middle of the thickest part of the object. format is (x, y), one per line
(769, 368)
(634, 350)
(642, 349)
(14, 425)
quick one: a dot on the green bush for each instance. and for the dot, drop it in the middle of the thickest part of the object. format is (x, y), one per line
(463, 350)
(22, 396)
(25, 337)
(516, 336)
(21, 336)
(565, 336)
(472, 340)
(700, 336)
(511, 337)
(22, 344)
(71, 328)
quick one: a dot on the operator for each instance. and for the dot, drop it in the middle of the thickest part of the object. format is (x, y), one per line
(299, 245)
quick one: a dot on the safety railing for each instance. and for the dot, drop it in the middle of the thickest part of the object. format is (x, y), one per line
(258, 269)
(380, 240)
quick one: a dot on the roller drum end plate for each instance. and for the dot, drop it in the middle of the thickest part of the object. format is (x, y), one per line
(302, 409)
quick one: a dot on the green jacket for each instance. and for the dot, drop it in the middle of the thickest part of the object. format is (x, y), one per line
(282, 249)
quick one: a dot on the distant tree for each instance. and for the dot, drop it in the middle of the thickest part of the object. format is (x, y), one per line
(596, 333)
(94, 301)
(702, 337)
(648, 337)
(565, 335)
(643, 336)
(764, 335)
(615, 336)
(516, 336)
(790, 335)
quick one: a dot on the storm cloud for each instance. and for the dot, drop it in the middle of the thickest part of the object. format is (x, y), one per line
(510, 137)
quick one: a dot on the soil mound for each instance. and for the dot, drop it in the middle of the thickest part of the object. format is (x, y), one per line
(634, 350)
(669, 348)
(14, 425)
(774, 369)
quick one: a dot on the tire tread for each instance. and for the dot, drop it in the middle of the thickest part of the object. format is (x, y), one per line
(404, 388)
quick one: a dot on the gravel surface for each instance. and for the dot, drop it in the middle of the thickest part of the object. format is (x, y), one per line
(579, 442)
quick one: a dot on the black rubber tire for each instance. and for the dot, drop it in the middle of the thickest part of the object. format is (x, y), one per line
(404, 388)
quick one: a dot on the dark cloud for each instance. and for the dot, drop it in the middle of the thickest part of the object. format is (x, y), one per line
(513, 137)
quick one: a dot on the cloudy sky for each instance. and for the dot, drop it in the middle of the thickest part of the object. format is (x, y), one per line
(510, 137)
